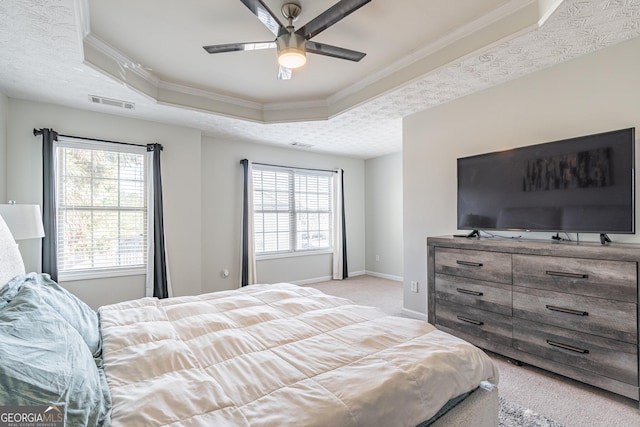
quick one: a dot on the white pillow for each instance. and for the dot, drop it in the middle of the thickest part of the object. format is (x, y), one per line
(11, 264)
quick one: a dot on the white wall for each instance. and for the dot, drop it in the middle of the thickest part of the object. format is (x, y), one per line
(181, 188)
(4, 111)
(384, 216)
(594, 93)
(222, 214)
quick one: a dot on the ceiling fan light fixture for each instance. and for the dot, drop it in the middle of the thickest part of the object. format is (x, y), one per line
(292, 51)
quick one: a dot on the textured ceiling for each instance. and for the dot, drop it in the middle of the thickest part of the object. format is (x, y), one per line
(43, 50)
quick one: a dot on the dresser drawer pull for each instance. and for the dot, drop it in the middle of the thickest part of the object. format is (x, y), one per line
(473, 322)
(468, 292)
(568, 347)
(565, 274)
(567, 310)
(469, 263)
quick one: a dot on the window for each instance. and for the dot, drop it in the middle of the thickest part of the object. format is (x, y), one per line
(101, 209)
(292, 210)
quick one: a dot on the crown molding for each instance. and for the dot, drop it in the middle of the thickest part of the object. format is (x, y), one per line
(430, 49)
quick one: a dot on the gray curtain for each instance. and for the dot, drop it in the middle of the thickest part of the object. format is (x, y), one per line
(49, 242)
(340, 268)
(345, 268)
(160, 276)
(244, 273)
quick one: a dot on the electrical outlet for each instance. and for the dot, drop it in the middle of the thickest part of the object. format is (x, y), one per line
(414, 286)
(377, 258)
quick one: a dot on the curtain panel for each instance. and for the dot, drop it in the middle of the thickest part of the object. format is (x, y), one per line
(248, 255)
(340, 268)
(49, 242)
(158, 283)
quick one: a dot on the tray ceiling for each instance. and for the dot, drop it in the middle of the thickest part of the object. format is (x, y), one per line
(419, 54)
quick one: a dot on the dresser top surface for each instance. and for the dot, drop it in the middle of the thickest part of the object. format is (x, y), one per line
(612, 251)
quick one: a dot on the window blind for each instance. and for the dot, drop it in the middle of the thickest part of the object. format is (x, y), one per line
(292, 210)
(101, 206)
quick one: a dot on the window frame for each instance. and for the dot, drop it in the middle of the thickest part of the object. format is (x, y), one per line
(101, 272)
(293, 211)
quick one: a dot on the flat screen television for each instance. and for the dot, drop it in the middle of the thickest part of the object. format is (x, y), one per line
(578, 185)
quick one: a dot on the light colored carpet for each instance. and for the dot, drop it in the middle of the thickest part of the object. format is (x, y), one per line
(570, 403)
(367, 290)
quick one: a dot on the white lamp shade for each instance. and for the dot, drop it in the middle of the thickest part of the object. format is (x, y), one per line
(24, 221)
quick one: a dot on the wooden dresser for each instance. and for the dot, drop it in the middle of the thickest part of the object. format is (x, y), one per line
(565, 307)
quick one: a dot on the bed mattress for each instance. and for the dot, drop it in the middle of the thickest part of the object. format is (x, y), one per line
(276, 355)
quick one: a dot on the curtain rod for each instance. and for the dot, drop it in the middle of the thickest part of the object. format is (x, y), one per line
(290, 167)
(37, 132)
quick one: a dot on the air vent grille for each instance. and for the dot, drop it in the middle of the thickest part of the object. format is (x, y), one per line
(112, 102)
(301, 145)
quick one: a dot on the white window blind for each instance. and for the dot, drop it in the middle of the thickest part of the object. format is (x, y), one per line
(292, 210)
(101, 208)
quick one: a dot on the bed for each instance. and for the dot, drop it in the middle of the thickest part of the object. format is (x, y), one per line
(263, 355)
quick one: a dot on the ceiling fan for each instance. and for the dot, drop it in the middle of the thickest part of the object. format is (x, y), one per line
(292, 44)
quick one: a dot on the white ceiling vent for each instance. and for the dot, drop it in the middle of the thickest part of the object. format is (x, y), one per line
(112, 102)
(301, 145)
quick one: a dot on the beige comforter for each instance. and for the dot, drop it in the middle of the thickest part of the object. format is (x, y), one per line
(279, 355)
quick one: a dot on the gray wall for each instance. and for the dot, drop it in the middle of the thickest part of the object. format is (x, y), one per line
(181, 182)
(384, 216)
(202, 181)
(4, 107)
(594, 93)
(221, 213)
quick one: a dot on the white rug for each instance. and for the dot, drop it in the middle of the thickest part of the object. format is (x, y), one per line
(513, 415)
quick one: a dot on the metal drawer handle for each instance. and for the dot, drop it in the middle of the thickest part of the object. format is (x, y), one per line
(567, 310)
(568, 347)
(565, 274)
(468, 292)
(473, 322)
(469, 263)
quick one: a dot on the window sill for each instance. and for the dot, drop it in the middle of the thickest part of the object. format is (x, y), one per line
(70, 276)
(293, 254)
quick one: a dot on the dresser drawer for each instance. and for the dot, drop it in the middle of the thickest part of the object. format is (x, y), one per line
(490, 296)
(607, 318)
(610, 358)
(600, 278)
(481, 265)
(485, 325)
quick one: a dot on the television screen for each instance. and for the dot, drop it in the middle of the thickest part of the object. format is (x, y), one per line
(580, 185)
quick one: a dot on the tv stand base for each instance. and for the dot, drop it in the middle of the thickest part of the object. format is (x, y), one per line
(474, 233)
(604, 239)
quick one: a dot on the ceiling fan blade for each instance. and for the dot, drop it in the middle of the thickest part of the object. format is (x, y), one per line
(329, 17)
(258, 8)
(234, 47)
(334, 51)
(284, 73)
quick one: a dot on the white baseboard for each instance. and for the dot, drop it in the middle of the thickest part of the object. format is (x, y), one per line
(325, 278)
(351, 274)
(310, 281)
(414, 314)
(385, 276)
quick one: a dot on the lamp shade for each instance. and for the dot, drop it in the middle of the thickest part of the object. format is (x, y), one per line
(24, 221)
